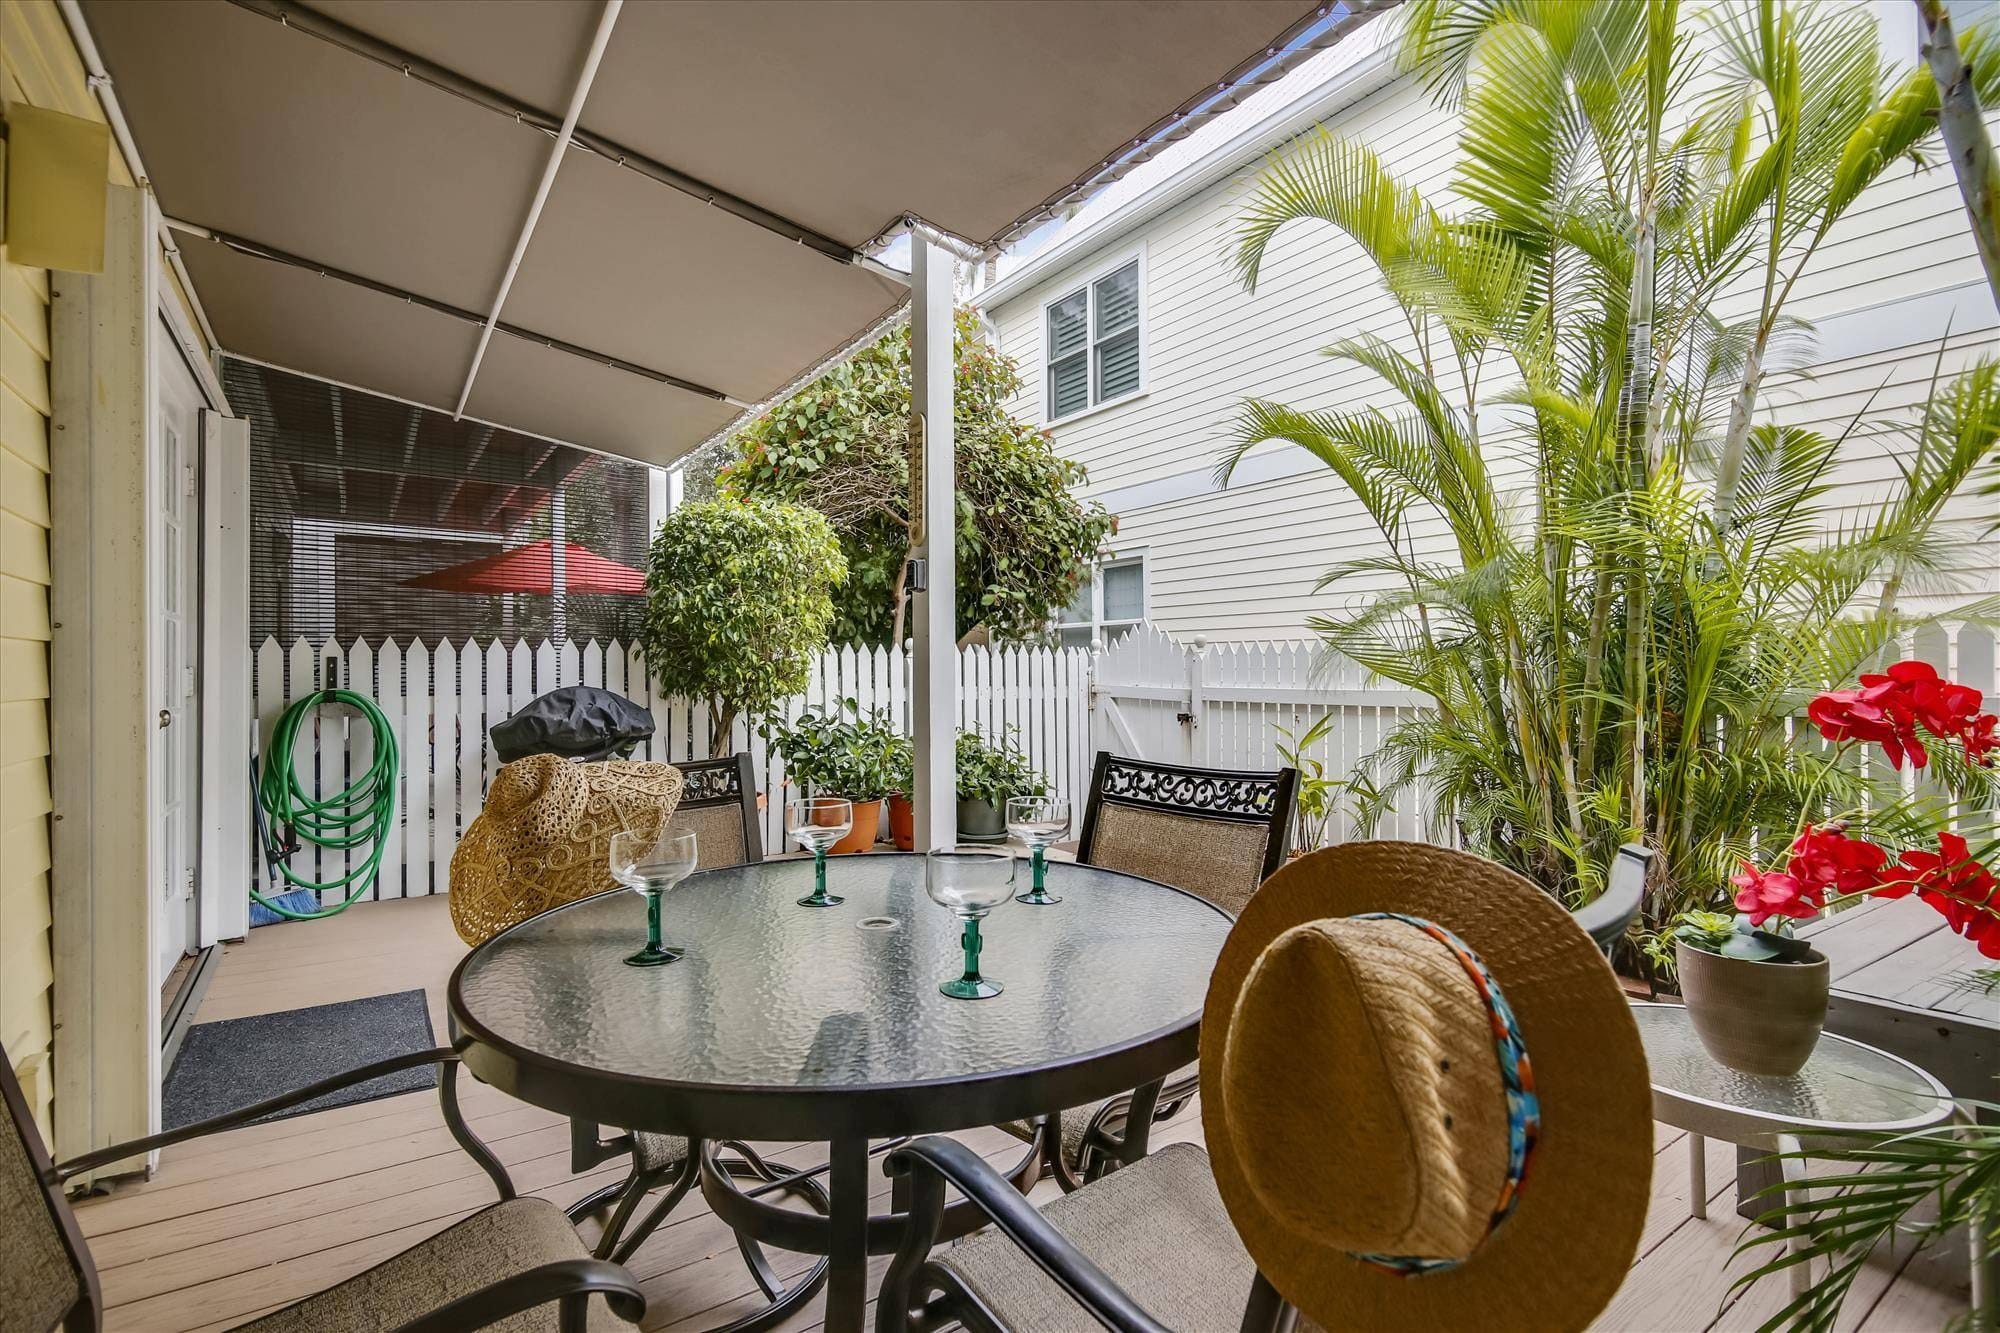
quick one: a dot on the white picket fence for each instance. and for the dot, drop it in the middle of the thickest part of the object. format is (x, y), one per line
(1147, 695)
(442, 700)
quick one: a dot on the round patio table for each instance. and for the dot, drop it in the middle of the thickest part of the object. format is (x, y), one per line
(1845, 1088)
(785, 1022)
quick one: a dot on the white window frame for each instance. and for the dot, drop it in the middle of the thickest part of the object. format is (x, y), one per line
(1086, 283)
(1097, 625)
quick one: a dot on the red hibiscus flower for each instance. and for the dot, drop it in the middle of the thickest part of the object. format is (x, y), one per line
(1827, 859)
(1890, 709)
(1960, 888)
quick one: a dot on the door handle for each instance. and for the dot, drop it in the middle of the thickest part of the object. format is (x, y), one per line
(166, 718)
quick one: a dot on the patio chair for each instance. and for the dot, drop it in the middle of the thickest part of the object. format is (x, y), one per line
(1215, 832)
(1609, 915)
(719, 803)
(518, 1262)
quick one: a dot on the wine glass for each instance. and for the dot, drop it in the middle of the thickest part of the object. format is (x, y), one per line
(971, 881)
(650, 864)
(818, 822)
(1040, 822)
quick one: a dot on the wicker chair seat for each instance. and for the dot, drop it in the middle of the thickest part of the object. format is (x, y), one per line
(1157, 1228)
(490, 1246)
(656, 1152)
(1077, 1120)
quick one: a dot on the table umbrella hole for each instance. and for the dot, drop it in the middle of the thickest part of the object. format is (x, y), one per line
(877, 923)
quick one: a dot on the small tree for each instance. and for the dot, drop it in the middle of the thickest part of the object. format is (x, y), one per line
(739, 595)
(841, 445)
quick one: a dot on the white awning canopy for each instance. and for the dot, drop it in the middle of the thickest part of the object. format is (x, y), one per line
(348, 181)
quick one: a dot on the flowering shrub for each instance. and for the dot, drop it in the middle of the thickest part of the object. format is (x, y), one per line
(1825, 864)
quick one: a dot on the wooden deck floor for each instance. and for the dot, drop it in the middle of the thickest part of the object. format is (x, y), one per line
(247, 1221)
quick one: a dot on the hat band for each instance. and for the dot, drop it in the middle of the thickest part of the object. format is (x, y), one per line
(1517, 1080)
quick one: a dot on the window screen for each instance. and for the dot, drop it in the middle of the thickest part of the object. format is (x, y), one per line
(353, 496)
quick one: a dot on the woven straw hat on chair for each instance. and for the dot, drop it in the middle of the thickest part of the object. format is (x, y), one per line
(544, 838)
(1424, 1096)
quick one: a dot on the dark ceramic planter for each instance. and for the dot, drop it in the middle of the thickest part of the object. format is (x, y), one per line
(981, 821)
(1760, 1018)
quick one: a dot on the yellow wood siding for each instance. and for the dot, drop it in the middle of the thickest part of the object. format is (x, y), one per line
(38, 65)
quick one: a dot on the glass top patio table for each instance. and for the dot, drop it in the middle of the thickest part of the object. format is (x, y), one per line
(783, 1021)
(1845, 1087)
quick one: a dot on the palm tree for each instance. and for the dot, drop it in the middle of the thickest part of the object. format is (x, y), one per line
(1624, 659)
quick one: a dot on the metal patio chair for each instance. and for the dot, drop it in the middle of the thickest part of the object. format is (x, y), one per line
(718, 802)
(518, 1262)
(1217, 833)
(1609, 915)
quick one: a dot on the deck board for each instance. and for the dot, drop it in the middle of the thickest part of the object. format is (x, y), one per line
(242, 1223)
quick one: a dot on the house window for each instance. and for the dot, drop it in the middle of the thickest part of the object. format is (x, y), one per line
(1112, 602)
(1093, 345)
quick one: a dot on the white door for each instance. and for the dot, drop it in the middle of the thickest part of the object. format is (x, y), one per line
(177, 640)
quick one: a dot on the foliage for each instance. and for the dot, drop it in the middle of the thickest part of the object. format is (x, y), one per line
(994, 771)
(1316, 794)
(841, 445)
(1955, 1167)
(1716, 933)
(842, 752)
(1616, 655)
(739, 596)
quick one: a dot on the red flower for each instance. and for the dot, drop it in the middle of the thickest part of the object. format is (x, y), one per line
(1763, 894)
(1889, 708)
(1827, 859)
(1960, 888)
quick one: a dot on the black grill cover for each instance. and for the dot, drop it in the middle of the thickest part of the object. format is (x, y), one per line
(576, 721)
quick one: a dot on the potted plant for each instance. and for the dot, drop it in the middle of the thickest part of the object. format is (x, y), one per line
(1756, 996)
(988, 774)
(903, 815)
(843, 752)
(1314, 807)
(739, 596)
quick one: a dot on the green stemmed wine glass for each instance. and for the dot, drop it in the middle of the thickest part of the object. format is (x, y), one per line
(1040, 822)
(971, 881)
(650, 864)
(818, 822)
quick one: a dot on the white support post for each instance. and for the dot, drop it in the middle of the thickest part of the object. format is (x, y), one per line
(934, 654)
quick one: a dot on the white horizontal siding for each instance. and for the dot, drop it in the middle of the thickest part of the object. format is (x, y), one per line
(1242, 564)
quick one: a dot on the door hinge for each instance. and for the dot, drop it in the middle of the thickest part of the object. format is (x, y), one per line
(187, 479)
(187, 885)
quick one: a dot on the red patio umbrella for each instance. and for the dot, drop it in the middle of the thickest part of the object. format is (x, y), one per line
(530, 569)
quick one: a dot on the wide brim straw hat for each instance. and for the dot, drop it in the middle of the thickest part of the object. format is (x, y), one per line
(544, 836)
(1424, 1095)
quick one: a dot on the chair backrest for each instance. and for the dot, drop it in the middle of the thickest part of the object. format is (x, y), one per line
(47, 1277)
(719, 802)
(1215, 832)
(1609, 915)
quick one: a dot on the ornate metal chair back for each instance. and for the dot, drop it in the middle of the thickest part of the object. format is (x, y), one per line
(1214, 832)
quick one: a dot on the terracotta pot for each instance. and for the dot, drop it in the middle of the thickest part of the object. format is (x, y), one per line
(902, 823)
(980, 821)
(867, 824)
(1760, 1018)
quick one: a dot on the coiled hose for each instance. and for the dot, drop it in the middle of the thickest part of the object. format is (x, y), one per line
(361, 814)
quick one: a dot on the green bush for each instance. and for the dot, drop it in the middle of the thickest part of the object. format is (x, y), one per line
(842, 752)
(739, 596)
(992, 772)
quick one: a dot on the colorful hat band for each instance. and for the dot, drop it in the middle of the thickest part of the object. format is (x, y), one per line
(1517, 1078)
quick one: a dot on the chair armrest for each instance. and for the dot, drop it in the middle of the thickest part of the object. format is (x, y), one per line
(563, 1280)
(933, 1162)
(231, 1120)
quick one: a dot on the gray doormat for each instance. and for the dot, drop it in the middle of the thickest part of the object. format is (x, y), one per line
(225, 1066)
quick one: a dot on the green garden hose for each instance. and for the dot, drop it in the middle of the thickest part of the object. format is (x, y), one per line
(361, 814)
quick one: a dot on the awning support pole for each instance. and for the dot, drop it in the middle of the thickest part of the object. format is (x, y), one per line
(934, 653)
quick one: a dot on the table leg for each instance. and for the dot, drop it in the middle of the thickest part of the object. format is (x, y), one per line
(847, 1281)
(1796, 1192)
(1697, 1177)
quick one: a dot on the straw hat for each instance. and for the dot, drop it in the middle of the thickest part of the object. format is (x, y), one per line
(545, 835)
(1424, 1095)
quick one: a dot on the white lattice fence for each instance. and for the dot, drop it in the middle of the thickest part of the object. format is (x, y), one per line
(442, 700)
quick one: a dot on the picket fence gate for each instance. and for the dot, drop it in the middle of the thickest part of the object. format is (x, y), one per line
(441, 700)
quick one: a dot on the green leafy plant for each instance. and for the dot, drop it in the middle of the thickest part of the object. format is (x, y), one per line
(739, 596)
(1317, 792)
(1731, 936)
(841, 445)
(993, 771)
(841, 752)
(1613, 643)
(1873, 1194)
